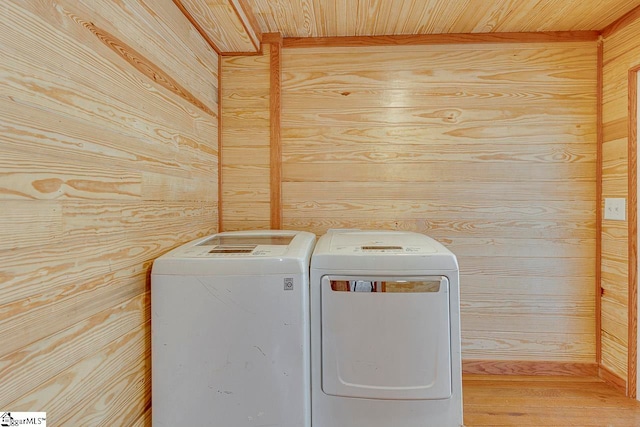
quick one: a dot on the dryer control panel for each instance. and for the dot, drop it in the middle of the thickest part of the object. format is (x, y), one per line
(380, 249)
(372, 243)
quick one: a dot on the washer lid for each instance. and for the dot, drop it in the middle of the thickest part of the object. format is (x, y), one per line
(234, 244)
(240, 252)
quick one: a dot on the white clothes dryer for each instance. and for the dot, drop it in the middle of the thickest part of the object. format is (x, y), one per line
(385, 331)
(229, 326)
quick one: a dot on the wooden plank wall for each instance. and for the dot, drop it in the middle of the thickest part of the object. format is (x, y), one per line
(108, 158)
(245, 150)
(489, 148)
(621, 52)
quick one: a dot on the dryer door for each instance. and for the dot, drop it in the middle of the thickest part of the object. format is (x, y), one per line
(386, 337)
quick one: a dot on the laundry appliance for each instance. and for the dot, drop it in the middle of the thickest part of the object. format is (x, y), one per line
(230, 335)
(385, 331)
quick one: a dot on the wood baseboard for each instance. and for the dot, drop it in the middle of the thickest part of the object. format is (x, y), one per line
(613, 379)
(521, 367)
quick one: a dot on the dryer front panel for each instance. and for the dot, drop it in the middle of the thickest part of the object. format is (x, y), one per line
(386, 337)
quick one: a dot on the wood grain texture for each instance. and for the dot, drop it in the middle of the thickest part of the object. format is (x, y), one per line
(225, 23)
(247, 189)
(436, 39)
(108, 158)
(614, 380)
(627, 19)
(510, 367)
(144, 66)
(632, 215)
(189, 69)
(144, 420)
(490, 149)
(48, 357)
(621, 53)
(196, 25)
(219, 171)
(344, 18)
(80, 386)
(275, 113)
(191, 64)
(248, 18)
(509, 400)
(599, 199)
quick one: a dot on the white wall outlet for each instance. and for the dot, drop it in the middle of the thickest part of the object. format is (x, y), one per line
(615, 208)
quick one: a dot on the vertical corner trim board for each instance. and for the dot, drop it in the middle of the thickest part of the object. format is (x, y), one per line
(621, 50)
(220, 145)
(275, 132)
(599, 210)
(109, 158)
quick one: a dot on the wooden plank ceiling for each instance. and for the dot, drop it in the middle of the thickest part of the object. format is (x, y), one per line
(234, 26)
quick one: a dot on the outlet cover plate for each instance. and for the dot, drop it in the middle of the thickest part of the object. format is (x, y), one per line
(615, 208)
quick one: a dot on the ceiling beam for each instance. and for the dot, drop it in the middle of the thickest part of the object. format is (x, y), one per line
(426, 39)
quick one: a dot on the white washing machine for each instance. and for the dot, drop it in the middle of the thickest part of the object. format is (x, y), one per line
(229, 326)
(385, 331)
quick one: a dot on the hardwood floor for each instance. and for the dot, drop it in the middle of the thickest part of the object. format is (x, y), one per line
(545, 401)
